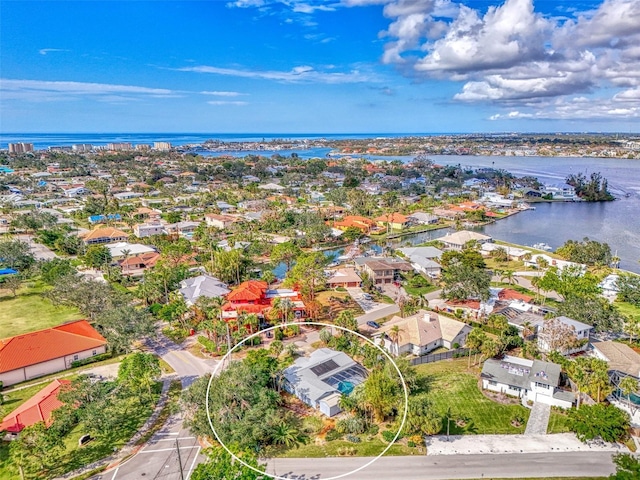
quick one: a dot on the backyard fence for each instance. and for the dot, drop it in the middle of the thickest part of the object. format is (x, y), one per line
(436, 357)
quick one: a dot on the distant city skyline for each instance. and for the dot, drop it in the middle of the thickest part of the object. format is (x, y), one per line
(303, 66)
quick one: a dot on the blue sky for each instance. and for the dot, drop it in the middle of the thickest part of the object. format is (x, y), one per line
(303, 66)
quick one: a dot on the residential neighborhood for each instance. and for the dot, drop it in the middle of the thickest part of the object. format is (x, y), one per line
(326, 296)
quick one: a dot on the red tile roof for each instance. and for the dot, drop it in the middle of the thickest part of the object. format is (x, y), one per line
(48, 344)
(105, 232)
(251, 290)
(509, 294)
(37, 409)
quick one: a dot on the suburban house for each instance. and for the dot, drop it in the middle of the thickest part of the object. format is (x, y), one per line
(364, 224)
(422, 218)
(202, 286)
(219, 221)
(560, 191)
(254, 296)
(552, 262)
(623, 362)
(123, 249)
(581, 331)
(320, 379)
(103, 235)
(343, 277)
(148, 229)
(136, 265)
(457, 240)
(37, 409)
(181, 228)
(51, 350)
(423, 332)
(382, 270)
(514, 253)
(533, 380)
(395, 221)
(447, 213)
(423, 259)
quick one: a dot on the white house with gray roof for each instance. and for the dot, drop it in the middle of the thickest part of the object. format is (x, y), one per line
(320, 379)
(533, 380)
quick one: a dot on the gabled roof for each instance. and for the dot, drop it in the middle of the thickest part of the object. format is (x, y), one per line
(464, 236)
(48, 344)
(202, 285)
(37, 409)
(621, 357)
(392, 217)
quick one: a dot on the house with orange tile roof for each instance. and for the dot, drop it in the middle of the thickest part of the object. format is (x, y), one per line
(47, 351)
(254, 296)
(103, 235)
(396, 221)
(135, 266)
(364, 224)
(220, 221)
(38, 408)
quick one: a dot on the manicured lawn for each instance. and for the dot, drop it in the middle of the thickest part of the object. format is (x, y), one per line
(558, 422)
(450, 385)
(29, 311)
(15, 398)
(364, 449)
(419, 291)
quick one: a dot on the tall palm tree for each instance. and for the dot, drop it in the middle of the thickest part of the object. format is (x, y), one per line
(394, 337)
(629, 385)
(510, 276)
(287, 435)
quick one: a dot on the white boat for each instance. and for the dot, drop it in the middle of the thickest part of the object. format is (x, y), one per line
(542, 246)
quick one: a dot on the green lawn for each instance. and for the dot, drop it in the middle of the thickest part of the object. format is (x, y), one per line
(558, 422)
(29, 311)
(628, 310)
(365, 449)
(419, 291)
(15, 398)
(450, 385)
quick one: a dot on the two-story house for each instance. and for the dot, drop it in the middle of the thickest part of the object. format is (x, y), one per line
(533, 380)
(382, 270)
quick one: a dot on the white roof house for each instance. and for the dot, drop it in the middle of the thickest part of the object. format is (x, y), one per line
(320, 379)
(118, 250)
(457, 240)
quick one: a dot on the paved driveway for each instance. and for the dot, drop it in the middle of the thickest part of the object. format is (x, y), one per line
(372, 310)
(39, 251)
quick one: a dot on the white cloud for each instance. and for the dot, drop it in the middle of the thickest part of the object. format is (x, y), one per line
(37, 90)
(222, 94)
(303, 73)
(225, 102)
(44, 51)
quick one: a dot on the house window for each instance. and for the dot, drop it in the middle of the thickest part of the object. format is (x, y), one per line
(95, 352)
(493, 383)
(75, 357)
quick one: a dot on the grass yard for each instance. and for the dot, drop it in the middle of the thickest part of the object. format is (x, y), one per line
(419, 291)
(449, 384)
(13, 399)
(334, 302)
(628, 310)
(558, 422)
(29, 311)
(365, 449)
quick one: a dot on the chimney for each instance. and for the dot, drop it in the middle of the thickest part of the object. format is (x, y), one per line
(427, 317)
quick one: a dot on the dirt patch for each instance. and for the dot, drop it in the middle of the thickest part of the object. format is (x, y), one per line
(500, 398)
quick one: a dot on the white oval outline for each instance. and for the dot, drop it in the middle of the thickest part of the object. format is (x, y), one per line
(275, 476)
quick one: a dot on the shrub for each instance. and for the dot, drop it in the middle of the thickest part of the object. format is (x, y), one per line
(354, 425)
(332, 434)
(87, 361)
(352, 438)
(373, 429)
(341, 289)
(209, 345)
(389, 435)
(347, 451)
(312, 425)
(175, 334)
(411, 444)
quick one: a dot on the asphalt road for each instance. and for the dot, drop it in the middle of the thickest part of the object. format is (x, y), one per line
(39, 251)
(542, 465)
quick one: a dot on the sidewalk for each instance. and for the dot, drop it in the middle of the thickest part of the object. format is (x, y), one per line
(477, 444)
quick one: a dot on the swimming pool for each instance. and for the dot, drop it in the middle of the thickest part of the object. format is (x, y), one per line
(345, 387)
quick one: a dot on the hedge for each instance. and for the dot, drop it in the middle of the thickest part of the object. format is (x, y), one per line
(94, 359)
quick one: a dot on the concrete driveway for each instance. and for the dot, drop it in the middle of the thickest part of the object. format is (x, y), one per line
(373, 310)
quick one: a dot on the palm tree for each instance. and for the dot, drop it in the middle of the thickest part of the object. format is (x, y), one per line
(629, 385)
(510, 276)
(287, 435)
(126, 252)
(281, 309)
(528, 329)
(394, 337)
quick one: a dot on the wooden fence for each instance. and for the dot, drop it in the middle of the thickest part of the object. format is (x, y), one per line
(436, 357)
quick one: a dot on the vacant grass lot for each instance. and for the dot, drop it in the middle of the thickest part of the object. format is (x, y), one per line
(29, 311)
(365, 449)
(449, 384)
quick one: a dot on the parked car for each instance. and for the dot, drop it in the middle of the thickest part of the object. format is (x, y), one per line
(373, 324)
(366, 296)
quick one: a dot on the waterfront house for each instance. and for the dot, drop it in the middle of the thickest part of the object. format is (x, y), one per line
(457, 240)
(320, 379)
(47, 351)
(395, 221)
(424, 259)
(422, 218)
(533, 380)
(623, 361)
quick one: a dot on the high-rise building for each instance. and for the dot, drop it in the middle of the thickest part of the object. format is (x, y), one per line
(82, 147)
(123, 146)
(162, 146)
(143, 147)
(20, 147)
